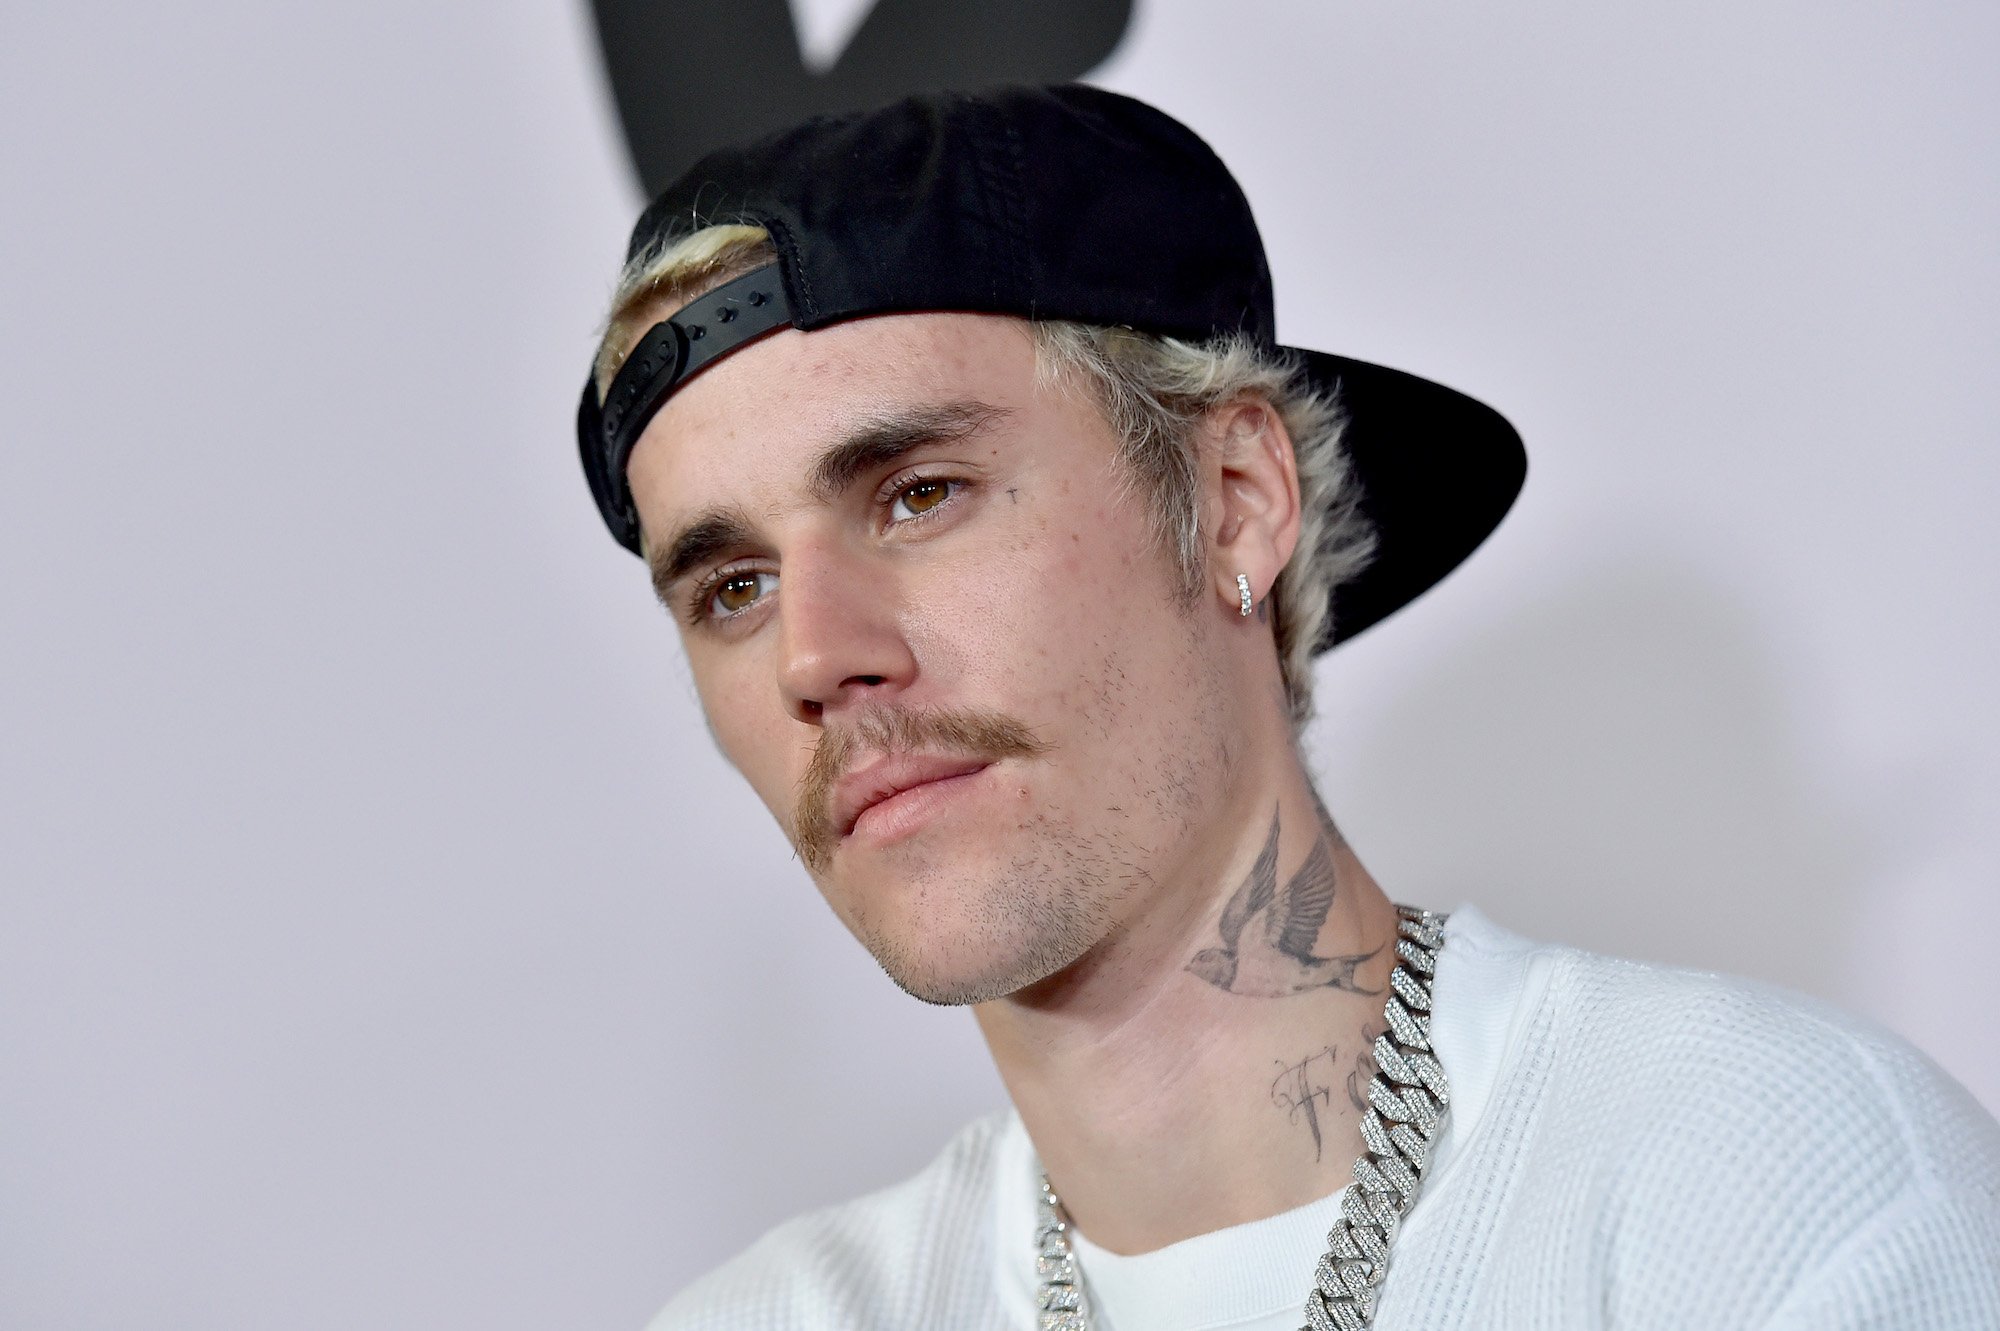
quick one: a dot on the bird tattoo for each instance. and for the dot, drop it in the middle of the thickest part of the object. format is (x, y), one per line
(1268, 934)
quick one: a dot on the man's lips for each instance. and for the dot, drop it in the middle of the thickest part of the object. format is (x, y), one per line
(865, 787)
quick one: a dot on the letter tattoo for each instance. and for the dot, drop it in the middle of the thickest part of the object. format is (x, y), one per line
(1303, 1094)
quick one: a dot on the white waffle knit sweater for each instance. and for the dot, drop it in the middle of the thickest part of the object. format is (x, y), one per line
(1629, 1146)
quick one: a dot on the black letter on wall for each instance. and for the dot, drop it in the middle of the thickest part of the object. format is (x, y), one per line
(692, 75)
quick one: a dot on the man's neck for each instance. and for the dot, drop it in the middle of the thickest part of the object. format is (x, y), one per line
(1204, 1065)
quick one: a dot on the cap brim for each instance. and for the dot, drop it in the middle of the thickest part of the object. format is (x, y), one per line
(1438, 470)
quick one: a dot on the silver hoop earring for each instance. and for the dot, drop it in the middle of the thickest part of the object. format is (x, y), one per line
(1246, 604)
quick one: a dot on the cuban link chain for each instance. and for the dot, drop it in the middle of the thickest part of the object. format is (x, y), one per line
(1407, 1099)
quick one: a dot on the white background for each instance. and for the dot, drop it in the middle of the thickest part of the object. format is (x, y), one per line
(383, 945)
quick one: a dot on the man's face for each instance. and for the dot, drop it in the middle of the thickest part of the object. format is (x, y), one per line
(927, 620)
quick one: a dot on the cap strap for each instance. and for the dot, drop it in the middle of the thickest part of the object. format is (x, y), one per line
(737, 312)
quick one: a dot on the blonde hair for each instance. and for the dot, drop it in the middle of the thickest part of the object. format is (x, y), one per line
(1154, 391)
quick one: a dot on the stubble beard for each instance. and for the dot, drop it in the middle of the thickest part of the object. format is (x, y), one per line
(972, 937)
(968, 941)
(1035, 918)
(1029, 921)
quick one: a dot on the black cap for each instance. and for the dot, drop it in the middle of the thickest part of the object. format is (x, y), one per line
(1068, 203)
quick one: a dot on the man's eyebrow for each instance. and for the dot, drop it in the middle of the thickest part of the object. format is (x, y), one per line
(885, 438)
(874, 444)
(701, 540)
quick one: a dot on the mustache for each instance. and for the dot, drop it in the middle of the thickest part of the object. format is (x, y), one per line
(955, 731)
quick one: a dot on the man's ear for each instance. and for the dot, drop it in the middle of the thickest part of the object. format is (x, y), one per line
(1251, 479)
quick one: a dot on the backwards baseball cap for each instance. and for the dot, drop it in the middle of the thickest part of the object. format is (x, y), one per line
(1067, 203)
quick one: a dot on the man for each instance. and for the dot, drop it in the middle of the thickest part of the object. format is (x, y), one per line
(1002, 533)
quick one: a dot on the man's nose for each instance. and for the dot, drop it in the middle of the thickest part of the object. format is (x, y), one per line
(840, 639)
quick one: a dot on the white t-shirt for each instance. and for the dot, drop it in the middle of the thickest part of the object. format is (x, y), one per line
(1628, 1146)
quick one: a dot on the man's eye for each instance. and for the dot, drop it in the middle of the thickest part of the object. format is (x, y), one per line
(738, 592)
(920, 497)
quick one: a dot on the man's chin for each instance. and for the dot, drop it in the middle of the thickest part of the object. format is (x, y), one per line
(980, 961)
(942, 987)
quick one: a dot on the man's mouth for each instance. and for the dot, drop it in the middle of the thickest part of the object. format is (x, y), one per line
(874, 791)
(889, 772)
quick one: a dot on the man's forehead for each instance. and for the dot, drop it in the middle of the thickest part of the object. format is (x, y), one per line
(821, 376)
(761, 427)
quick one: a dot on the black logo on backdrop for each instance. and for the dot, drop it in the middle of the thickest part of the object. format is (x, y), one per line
(692, 75)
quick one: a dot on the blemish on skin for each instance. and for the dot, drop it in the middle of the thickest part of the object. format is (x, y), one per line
(1013, 494)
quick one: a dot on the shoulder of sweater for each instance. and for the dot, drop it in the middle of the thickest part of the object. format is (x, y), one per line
(890, 1254)
(1709, 1083)
(1702, 1150)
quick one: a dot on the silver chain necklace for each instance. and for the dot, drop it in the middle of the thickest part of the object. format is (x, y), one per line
(1407, 1099)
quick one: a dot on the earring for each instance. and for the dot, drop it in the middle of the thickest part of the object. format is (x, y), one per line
(1246, 604)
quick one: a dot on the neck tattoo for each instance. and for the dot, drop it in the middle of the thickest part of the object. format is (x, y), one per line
(1407, 1099)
